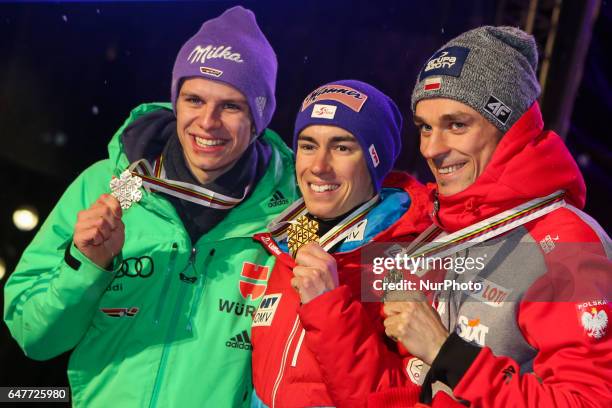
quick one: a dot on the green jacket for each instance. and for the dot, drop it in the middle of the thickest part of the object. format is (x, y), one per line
(170, 326)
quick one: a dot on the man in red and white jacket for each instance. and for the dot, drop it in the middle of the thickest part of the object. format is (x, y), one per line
(535, 332)
(314, 342)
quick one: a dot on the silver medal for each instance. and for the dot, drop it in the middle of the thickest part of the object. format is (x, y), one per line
(126, 189)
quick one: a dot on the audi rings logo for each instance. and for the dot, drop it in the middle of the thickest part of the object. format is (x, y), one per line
(136, 267)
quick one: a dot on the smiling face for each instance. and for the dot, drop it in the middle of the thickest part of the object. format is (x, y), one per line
(214, 126)
(331, 171)
(456, 141)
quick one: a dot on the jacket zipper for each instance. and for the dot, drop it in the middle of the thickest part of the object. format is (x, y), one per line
(169, 337)
(281, 371)
(168, 276)
(200, 288)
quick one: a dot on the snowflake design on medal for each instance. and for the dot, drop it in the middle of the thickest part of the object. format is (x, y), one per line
(126, 189)
(301, 231)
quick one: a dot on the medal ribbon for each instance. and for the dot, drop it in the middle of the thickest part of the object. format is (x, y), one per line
(154, 179)
(484, 230)
(278, 227)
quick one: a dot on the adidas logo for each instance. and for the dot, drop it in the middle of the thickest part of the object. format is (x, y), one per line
(240, 341)
(277, 199)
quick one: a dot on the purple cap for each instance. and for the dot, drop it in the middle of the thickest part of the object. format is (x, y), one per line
(232, 49)
(370, 115)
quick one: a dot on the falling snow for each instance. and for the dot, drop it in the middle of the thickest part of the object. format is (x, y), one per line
(583, 160)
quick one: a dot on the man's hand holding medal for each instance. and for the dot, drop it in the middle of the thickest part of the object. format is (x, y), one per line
(99, 232)
(316, 271)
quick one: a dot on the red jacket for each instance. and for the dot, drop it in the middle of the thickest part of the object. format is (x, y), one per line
(333, 350)
(571, 339)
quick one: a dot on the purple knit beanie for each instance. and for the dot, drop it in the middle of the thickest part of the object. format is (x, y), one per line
(232, 49)
(370, 115)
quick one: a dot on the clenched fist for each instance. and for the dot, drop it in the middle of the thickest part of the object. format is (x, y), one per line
(315, 273)
(417, 325)
(99, 232)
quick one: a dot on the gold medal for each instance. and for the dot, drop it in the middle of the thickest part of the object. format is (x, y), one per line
(300, 232)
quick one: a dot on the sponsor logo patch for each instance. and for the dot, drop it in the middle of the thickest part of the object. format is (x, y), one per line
(490, 293)
(120, 311)
(357, 232)
(323, 111)
(374, 155)
(116, 287)
(240, 341)
(201, 54)
(211, 71)
(253, 280)
(472, 330)
(498, 109)
(594, 318)
(431, 84)
(237, 308)
(448, 61)
(413, 369)
(137, 267)
(347, 96)
(267, 309)
(277, 199)
(548, 243)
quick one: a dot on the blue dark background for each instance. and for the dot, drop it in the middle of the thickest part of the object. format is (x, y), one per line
(70, 72)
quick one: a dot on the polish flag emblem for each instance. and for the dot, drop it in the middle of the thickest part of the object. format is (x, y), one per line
(431, 84)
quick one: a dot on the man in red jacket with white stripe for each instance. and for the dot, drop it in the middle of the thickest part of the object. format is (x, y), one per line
(315, 342)
(534, 331)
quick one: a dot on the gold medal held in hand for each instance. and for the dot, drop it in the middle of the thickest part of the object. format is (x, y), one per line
(301, 231)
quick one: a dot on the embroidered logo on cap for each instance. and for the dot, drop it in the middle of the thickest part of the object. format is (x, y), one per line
(347, 96)
(260, 103)
(431, 84)
(448, 61)
(211, 71)
(374, 155)
(201, 54)
(323, 111)
(498, 109)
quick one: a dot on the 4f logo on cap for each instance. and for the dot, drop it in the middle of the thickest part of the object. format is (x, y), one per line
(448, 61)
(498, 109)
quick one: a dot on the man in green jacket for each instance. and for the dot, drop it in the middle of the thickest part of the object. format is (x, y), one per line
(146, 269)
